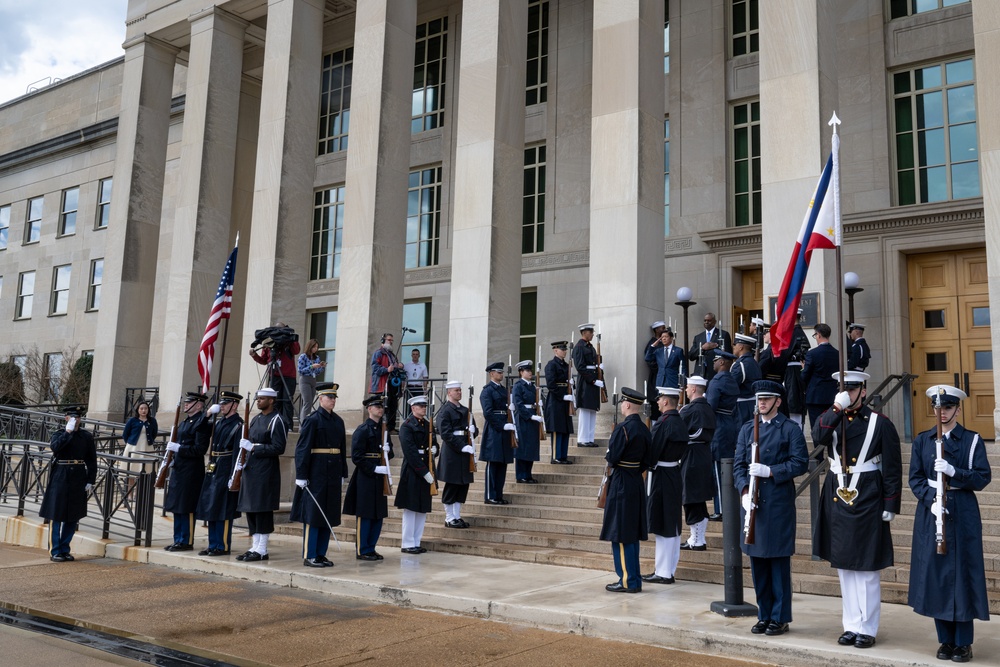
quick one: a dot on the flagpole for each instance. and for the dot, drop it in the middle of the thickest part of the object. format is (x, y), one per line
(225, 338)
(835, 152)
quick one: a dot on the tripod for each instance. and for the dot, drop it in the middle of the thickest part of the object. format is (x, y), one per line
(275, 380)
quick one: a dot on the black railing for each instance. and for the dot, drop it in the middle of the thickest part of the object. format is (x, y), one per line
(38, 426)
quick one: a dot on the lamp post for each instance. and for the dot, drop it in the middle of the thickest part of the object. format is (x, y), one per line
(851, 282)
(685, 302)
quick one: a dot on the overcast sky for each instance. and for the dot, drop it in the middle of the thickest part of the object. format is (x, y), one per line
(42, 39)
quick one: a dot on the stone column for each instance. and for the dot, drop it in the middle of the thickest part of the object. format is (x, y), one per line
(201, 238)
(798, 91)
(489, 166)
(281, 226)
(378, 162)
(986, 26)
(122, 349)
(626, 185)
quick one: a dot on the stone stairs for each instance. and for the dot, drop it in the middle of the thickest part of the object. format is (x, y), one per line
(557, 522)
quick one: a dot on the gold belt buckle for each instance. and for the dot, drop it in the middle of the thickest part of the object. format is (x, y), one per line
(211, 468)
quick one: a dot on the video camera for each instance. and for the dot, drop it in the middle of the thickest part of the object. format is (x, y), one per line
(274, 337)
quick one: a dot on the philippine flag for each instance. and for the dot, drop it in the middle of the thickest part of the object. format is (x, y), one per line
(820, 231)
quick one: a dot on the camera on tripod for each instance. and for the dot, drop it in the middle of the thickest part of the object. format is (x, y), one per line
(274, 337)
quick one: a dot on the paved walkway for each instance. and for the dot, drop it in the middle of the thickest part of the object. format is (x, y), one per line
(548, 597)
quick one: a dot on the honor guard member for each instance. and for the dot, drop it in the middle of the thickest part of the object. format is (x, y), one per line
(745, 371)
(320, 471)
(72, 477)
(657, 328)
(665, 487)
(860, 354)
(782, 457)
(365, 497)
(696, 465)
(187, 472)
(413, 495)
(706, 343)
(558, 421)
(723, 394)
(497, 447)
(455, 467)
(949, 587)
(526, 419)
(217, 504)
(260, 489)
(588, 386)
(860, 498)
(625, 510)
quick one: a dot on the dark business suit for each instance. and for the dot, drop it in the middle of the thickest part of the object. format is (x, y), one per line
(817, 376)
(705, 369)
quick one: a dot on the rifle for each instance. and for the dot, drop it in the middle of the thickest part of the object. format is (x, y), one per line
(468, 432)
(570, 388)
(384, 458)
(602, 493)
(430, 443)
(942, 546)
(750, 521)
(236, 479)
(168, 460)
(600, 371)
(510, 418)
(538, 401)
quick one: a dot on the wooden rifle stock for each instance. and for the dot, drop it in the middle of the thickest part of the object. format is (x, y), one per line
(538, 405)
(569, 389)
(602, 493)
(468, 434)
(430, 444)
(161, 476)
(510, 420)
(939, 535)
(384, 459)
(600, 371)
(236, 479)
(751, 518)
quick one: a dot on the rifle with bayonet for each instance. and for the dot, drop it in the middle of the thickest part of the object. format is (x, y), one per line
(236, 479)
(168, 460)
(383, 456)
(600, 371)
(468, 434)
(430, 443)
(939, 492)
(750, 520)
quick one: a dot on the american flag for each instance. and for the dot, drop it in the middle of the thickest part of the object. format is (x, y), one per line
(221, 309)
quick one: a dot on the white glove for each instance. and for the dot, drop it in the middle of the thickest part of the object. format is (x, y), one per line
(936, 509)
(888, 516)
(508, 427)
(381, 470)
(214, 409)
(842, 400)
(71, 425)
(601, 366)
(173, 447)
(512, 407)
(746, 502)
(468, 449)
(473, 430)
(385, 449)
(246, 444)
(536, 418)
(760, 470)
(529, 406)
(598, 383)
(429, 478)
(434, 450)
(568, 397)
(302, 483)
(88, 488)
(940, 465)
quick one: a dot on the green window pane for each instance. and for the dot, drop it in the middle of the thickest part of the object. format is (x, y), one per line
(901, 82)
(904, 151)
(742, 212)
(741, 177)
(739, 46)
(906, 187)
(904, 115)
(740, 114)
(965, 180)
(739, 18)
(741, 143)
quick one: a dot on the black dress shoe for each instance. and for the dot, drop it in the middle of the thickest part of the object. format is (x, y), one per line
(454, 523)
(366, 557)
(962, 653)
(421, 550)
(618, 588)
(243, 556)
(491, 501)
(503, 501)
(326, 561)
(58, 558)
(312, 562)
(760, 627)
(686, 546)
(657, 579)
(566, 462)
(410, 550)
(177, 546)
(945, 651)
(864, 641)
(774, 628)
(531, 481)
(252, 557)
(715, 517)
(204, 552)
(67, 557)
(521, 481)
(378, 556)
(847, 638)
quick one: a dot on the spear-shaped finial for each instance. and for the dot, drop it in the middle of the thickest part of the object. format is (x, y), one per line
(834, 122)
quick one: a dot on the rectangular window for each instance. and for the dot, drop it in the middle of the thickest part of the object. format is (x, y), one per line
(52, 379)
(323, 327)
(59, 303)
(934, 118)
(536, 81)
(67, 219)
(4, 225)
(335, 101)
(746, 164)
(529, 322)
(25, 295)
(103, 203)
(666, 36)
(328, 234)
(96, 280)
(423, 217)
(533, 210)
(429, 75)
(744, 26)
(900, 8)
(666, 177)
(417, 316)
(33, 223)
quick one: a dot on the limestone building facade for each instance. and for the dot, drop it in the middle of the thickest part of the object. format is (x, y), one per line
(493, 173)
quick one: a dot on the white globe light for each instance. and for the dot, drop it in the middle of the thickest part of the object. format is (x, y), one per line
(684, 294)
(851, 280)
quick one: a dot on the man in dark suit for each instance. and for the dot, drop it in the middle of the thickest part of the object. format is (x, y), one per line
(703, 349)
(859, 354)
(817, 373)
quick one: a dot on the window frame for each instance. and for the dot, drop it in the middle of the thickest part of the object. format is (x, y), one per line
(334, 125)
(434, 119)
(537, 59)
(59, 291)
(5, 212)
(94, 285)
(414, 218)
(533, 230)
(754, 196)
(67, 216)
(903, 8)
(744, 13)
(24, 301)
(33, 224)
(326, 203)
(104, 205)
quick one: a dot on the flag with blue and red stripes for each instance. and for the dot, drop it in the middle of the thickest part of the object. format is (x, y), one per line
(221, 309)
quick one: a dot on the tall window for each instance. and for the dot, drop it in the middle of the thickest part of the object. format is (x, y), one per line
(417, 316)
(429, 75)
(103, 203)
(529, 323)
(4, 225)
(96, 280)
(52, 379)
(536, 81)
(666, 36)
(533, 210)
(666, 177)
(423, 217)
(25, 295)
(323, 327)
(899, 8)
(59, 303)
(335, 101)
(746, 164)
(745, 27)
(937, 150)
(67, 219)
(33, 224)
(328, 234)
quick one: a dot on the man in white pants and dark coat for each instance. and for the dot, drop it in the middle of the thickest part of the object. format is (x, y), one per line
(457, 430)
(588, 386)
(665, 487)
(260, 488)
(697, 465)
(413, 495)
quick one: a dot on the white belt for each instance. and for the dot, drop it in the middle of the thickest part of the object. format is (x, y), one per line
(458, 434)
(868, 466)
(667, 464)
(750, 398)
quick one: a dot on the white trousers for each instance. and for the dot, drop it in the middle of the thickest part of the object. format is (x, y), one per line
(697, 537)
(452, 512)
(260, 543)
(861, 595)
(413, 528)
(668, 554)
(588, 420)
(797, 418)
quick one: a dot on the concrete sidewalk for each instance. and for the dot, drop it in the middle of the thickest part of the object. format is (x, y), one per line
(546, 596)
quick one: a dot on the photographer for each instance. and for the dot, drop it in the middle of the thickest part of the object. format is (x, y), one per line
(279, 343)
(388, 377)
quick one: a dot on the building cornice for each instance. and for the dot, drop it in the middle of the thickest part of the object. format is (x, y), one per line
(732, 237)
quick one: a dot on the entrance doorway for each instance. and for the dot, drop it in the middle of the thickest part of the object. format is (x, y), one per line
(752, 303)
